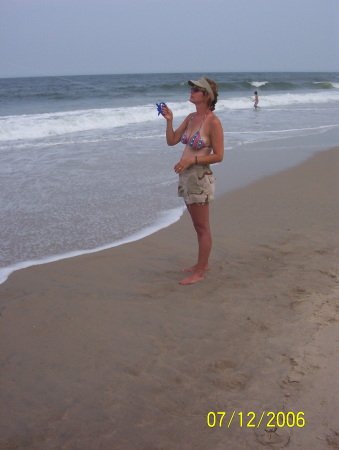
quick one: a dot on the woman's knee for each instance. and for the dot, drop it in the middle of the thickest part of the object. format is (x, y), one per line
(202, 229)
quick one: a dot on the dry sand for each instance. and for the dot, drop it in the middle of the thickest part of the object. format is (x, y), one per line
(108, 351)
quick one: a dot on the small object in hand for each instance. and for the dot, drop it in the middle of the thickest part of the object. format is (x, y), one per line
(159, 105)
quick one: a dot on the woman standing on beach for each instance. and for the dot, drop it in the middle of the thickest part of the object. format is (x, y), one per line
(203, 136)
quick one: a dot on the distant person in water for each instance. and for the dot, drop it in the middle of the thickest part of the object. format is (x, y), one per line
(203, 137)
(256, 100)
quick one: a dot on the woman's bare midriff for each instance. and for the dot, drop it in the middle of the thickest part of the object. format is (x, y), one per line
(188, 152)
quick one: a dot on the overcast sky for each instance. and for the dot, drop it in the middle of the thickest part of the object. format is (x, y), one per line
(65, 37)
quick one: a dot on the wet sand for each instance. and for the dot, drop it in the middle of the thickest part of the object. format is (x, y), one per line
(109, 351)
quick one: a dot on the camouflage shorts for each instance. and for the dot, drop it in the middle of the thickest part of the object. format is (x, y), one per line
(197, 184)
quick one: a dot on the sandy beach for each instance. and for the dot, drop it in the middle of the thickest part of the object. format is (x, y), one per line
(108, 350)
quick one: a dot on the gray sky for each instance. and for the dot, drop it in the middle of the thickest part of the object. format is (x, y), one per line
(64, 37)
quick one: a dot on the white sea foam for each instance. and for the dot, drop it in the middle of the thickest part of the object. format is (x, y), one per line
(286, 131)
(165, 219)
(49, 125)
(37, 126)
(277, 100)
(258, 84)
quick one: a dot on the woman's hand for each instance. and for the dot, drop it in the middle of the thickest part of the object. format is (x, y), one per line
(183, 164)
(166, 112)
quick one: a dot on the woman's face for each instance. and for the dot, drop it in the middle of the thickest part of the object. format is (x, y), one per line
(198, 95)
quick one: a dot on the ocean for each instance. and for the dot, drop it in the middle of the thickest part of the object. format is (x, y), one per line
(85, 166)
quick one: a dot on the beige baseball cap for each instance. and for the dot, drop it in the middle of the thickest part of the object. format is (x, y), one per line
(203, 83)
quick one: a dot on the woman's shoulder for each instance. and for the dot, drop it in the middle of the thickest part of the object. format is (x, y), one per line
(215, 121)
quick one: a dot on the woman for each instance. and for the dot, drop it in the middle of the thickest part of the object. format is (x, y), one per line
(203, 136)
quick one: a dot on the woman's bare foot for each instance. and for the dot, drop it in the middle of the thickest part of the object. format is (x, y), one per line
(190, 279)
(192, 269)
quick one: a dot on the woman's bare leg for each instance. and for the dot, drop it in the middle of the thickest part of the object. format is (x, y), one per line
(200, 218)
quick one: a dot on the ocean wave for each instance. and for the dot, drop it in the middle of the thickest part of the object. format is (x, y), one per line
(38, 126)
(258, 84)
(49, 125)
(262, 85)
(277, 100)
(326, 85)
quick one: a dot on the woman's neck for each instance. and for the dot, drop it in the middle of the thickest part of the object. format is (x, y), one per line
(202, 110)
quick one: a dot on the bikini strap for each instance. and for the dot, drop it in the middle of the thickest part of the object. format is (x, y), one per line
(203, 120)
(191, 120)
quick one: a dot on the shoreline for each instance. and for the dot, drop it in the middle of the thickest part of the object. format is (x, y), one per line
(107, 350)
(250, 164)
(161, 223)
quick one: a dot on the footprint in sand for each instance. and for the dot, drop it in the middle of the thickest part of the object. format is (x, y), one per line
(275, 437)
(333, 439)
(226, 376)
